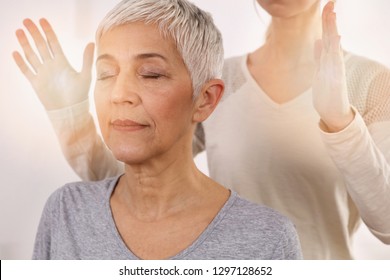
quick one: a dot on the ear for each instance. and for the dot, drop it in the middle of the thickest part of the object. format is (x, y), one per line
(208, 99)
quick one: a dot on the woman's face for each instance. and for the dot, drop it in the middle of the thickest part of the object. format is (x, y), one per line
(143, 94)
(287, 8)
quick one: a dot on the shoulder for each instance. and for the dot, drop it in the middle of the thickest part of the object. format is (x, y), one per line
(231, 65)
(368, 84)
(83, 193)
(261, 216)
(354, 62)
(74, 217)
(362, 67)
(233, 74)
(258, 232)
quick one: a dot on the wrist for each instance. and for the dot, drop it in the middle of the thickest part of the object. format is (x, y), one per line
(339, 124)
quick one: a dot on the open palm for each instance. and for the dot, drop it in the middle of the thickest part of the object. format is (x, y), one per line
(54, 80)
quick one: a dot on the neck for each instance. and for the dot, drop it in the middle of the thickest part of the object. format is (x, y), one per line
(160, 187)
(291, 40)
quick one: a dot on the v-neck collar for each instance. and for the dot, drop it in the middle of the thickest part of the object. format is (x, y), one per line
(264, 96)
(182, 254)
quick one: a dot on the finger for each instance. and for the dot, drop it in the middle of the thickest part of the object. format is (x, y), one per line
(39, 41)
(88, 59)
(332, 25)
(333, 34)
(30, 55)
(51, 37)
(23, 66)
(328, 8)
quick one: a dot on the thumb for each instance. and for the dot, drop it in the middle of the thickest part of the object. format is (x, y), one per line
(88, 59)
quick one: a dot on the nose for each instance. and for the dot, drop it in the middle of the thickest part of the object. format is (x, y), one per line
(126, 90)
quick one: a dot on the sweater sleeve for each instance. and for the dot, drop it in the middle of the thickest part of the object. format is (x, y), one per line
(362, 150)
(362, 154)
(366, 171)
(81, 145)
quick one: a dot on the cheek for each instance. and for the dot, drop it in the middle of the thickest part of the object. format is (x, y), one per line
(170, 113)
(174, 107)
(161, 112)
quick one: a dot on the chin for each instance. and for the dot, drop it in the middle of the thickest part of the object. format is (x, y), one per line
(288, 9)
(132, 159)
(131, 156)
(280, 12)
(130, 153)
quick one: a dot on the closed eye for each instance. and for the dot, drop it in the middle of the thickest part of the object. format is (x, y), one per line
(105, 76)
(152, 76)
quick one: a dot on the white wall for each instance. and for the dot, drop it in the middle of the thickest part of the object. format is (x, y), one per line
(31, 164)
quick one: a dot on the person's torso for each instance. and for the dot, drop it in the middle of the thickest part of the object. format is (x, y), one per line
(273, 154)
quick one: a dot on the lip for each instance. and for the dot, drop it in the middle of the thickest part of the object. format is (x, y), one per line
(127, 125)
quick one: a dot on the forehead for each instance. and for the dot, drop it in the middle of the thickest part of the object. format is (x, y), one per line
(136, 37)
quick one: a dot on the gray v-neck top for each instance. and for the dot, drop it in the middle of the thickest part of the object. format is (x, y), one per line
(77, 223)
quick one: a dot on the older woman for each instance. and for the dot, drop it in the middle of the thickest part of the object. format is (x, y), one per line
(158, 70)
(264, 140)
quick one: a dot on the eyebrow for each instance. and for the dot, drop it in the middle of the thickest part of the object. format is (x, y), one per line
(138, 56)
(150, 55)
(104, 56)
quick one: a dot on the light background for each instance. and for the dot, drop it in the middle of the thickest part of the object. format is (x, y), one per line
(31, 163)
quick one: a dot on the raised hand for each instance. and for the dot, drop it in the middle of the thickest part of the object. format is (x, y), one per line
(330, 95)
(54, 80)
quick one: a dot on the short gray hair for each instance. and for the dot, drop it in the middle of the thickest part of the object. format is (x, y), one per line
(197, 38)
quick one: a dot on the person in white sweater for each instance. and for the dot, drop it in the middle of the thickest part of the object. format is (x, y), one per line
(317, 150)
